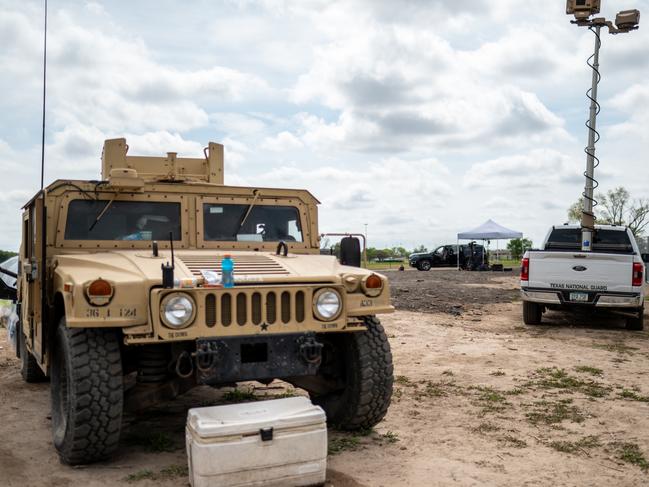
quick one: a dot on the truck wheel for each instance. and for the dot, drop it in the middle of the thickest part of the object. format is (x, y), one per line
(424, 265)
(532, 313)
(367, 374)
(87, 396)
(29, 369)
(637, 322)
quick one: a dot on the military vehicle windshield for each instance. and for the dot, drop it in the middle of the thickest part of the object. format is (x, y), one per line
(259, 223)
(122, 220)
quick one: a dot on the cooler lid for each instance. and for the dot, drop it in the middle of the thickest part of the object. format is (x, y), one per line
(249, 418)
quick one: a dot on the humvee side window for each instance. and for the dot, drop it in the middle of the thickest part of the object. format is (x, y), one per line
(122, 220)
(264, 223)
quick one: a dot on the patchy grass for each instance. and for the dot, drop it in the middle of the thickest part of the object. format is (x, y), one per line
(497, 373)
(339, 444)
(402, 380)
(516, 391)
(238, 395)
(155, 442)
(546, 412)
(140, 475)
(484, 428)
(587, 369)
(435, 389)
(167, 473)
(448, 372)
(489, 400)
(632, 395)
(390, 437)
(509, 440)
(631, 453)
(617, 347)
(583, 444)
(555, 378)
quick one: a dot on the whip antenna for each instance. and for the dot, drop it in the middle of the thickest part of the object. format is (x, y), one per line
(44, 93)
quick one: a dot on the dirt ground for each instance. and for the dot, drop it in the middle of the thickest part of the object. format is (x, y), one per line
(479, 399)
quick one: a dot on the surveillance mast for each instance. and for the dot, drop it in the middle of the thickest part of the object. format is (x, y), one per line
(625, 21)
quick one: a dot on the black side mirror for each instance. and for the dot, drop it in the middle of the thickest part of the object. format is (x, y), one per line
(645, 258)
(350, 251)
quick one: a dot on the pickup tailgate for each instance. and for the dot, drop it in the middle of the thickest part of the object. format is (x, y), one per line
(581, 272)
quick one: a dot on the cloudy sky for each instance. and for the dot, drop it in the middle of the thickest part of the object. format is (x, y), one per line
(421, 118)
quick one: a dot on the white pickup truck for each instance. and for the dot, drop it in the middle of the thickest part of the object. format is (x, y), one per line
(560, 276)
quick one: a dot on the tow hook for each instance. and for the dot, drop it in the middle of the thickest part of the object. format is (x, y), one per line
(207, 355)
(310, 350)
(184, 365)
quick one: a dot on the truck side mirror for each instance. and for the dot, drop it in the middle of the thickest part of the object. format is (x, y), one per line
(350, 251)
(645, 258)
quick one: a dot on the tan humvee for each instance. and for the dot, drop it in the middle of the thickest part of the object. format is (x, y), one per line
(99, 319)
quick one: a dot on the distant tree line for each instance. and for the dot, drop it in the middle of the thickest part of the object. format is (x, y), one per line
(6, 254)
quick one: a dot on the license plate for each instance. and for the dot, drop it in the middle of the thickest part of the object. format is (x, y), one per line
(579, 297)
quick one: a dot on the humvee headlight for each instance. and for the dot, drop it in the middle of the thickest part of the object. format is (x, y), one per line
(327, 304)
(372, 285)
(177, 310)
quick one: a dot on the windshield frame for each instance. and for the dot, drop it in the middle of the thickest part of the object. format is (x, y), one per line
(261, 200)
(62, 242)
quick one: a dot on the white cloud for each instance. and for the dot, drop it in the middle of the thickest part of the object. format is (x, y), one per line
(538, 168)
(284, 141)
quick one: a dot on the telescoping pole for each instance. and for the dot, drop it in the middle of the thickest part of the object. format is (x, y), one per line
(587, 215)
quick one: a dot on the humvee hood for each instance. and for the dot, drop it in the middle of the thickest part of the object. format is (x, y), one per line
(142, 266)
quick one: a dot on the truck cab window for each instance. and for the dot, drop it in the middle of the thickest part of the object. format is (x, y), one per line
(261, 223)
(122, 220)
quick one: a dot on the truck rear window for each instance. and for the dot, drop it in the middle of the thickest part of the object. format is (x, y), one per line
(613, 241)
(122, 220)
(259, 223)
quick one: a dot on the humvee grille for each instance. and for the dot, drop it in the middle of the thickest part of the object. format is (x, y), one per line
(261, 307)
(243, 264)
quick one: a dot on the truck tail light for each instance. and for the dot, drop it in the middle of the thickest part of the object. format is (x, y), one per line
(525, 269)
(638, 271)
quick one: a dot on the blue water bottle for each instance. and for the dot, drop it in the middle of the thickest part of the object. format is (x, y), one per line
(227, 271)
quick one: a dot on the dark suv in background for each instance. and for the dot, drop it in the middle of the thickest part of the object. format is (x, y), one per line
(472, 257)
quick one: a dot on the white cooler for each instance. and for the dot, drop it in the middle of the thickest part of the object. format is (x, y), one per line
(267, 443)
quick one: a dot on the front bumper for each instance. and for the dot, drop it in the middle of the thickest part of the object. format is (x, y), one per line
(236, 359)
(595, 299)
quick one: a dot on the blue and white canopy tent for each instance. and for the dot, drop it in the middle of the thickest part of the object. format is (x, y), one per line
(489, 230)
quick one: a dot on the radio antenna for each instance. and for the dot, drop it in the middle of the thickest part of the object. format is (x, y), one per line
(44, 93)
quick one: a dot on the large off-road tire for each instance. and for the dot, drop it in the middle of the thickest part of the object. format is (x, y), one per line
(532, 313)
(29, 369)
(367, 377)
(424, 265)
(636, 323)
(87, 395)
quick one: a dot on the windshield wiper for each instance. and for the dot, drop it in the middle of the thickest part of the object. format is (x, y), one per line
(101, 214)
(245, 217)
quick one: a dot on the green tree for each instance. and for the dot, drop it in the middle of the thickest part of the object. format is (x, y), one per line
(6, 254)
(616, 207)
(399, 252)
(419, 249)
(518, 246)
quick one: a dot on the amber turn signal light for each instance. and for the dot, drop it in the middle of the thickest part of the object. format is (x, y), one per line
(372, 285)
(373, 282)
(99, 292)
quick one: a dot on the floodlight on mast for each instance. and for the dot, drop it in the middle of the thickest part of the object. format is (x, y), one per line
(625, 21)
